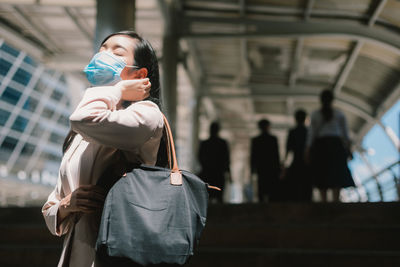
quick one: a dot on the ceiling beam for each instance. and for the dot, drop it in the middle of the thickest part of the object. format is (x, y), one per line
(377, 11)
(18, 40)
(263, 9)
(299, 94)
(70, 62)
(348, 66)
(35, 30)
(89, 36)
(266, 28)
(74, 3)
(340, 102)
(276, 89)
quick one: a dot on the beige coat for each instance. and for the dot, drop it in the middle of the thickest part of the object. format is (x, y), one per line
(103, 132)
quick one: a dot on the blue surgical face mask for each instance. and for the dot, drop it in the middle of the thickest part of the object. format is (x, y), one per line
(105, 69)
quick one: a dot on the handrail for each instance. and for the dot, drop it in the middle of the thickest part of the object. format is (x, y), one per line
(385, 169)
(375, 178)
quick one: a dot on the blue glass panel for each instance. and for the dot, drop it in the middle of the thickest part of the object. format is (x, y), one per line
(64, 120)
(11, 95)
(20, 124)
(30, 61)
(9, 143)
(9, 49)
(56, 95)
(30, 104)
(4, 66)
(392, 118)
(4, 116)
(28, 149)
(22, 76)
(384, 152)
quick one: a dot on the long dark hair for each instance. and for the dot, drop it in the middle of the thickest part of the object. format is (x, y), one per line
(326, 98)
(144, 57)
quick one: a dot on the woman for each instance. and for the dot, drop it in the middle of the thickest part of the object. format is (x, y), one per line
(328, 145)
(117, 118)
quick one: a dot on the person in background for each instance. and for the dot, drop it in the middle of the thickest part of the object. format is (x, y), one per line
(215, 161)
(328, 148)
(264, 161)
(297, 176)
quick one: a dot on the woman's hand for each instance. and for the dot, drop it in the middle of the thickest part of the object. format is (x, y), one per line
(86, 199)
(134, 90)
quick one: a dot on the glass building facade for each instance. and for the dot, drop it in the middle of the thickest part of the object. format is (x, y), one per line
(34, 111)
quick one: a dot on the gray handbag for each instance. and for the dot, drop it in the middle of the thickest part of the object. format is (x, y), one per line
(153, 215)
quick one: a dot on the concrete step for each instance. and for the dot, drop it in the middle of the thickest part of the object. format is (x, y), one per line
(16, 215)
(32, 256)
(277, 235)
(306, 213)
(327, 236)
(29, 234)
(223, 257)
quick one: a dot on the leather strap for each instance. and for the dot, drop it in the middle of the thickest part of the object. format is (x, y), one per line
(176, 175)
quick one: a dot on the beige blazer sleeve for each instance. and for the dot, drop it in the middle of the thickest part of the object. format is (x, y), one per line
(97, 119)
(50, 209)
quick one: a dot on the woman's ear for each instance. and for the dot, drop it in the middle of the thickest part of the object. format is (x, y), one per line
(141, 73)
(129, 73)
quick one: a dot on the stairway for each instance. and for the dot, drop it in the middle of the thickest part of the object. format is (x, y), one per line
(276, 235)
(292, 235)
(25, 240)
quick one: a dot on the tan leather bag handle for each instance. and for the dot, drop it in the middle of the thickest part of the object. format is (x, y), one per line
(176, 175)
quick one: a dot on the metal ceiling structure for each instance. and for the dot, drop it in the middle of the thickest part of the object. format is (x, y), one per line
(246, 59)
(275, 56)
(268, 56)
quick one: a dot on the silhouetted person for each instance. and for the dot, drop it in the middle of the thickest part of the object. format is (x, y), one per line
(264, 160)
(214, 160)
(298, 180)
(328, 148)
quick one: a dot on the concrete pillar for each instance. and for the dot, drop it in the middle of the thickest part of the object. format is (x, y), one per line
(113, 16)
(195, 133)
(170, 61)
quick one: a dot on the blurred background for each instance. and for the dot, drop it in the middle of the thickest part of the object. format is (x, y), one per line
(232, 61)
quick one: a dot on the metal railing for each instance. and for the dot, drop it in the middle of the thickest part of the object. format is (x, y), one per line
(386, 180)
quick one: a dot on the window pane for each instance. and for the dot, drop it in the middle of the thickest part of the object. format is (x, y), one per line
(4, 116)
(56, 95)
(47, 113)
(56, 138)
(40, 86)
(4, 66)
(50, 156)
(20, 124)
(11, 95)
(63, 120)
(22, 76)
(9, 143)
(37, 130)
(30, 104)
(30, 61)
(9, 49)
(28, 149)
